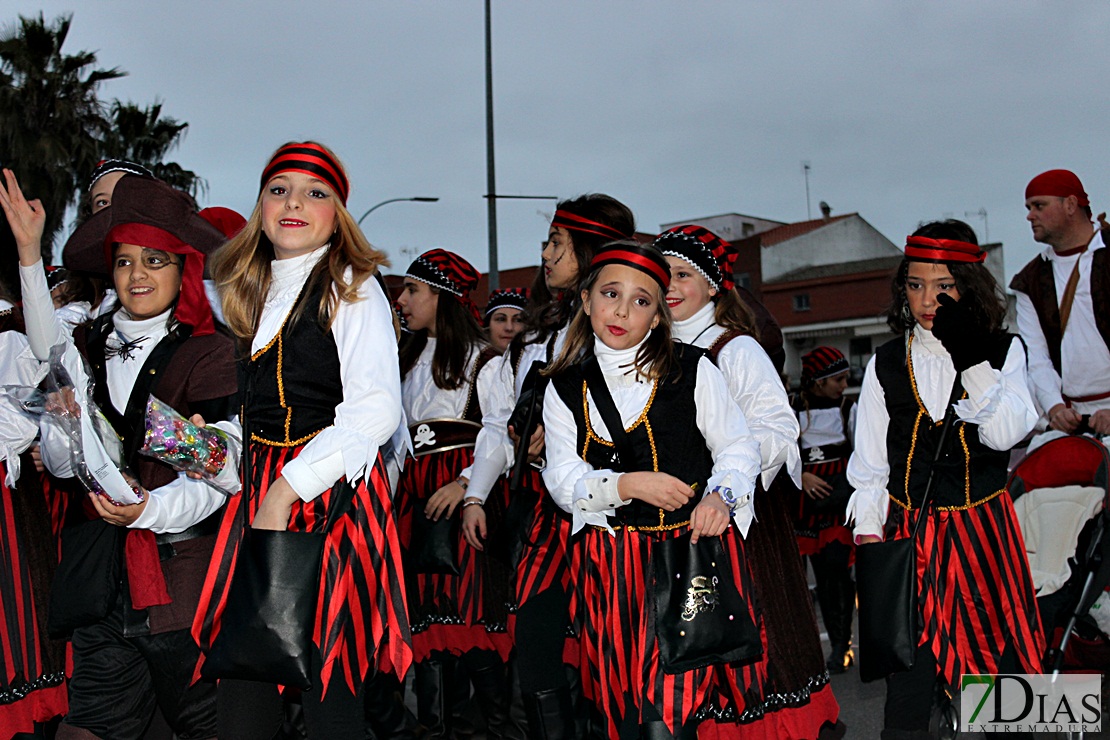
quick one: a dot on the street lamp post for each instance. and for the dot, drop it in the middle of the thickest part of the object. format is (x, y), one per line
(420, 199)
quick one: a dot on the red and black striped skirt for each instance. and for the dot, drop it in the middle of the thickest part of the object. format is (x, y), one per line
(974, 590)
(815, 529)
(32, 667)
(622, 670)
(361, 618)
(448, 613)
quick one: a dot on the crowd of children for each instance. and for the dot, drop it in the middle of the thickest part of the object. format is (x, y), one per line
(515, 502)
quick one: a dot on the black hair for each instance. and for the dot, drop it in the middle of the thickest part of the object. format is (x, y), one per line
(547, 312)
(974, 281)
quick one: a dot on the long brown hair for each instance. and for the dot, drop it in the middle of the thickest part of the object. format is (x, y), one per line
(655, 357)
(457, 334)
(547, 312)
(241, 269)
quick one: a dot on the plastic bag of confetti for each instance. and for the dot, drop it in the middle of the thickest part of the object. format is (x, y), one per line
(94, 448)
(184, 446)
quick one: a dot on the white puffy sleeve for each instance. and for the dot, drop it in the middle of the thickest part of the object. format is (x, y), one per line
(868, 468)
(1042, 375)
(493, 450)
(17, 429)
(999, 401)
(755, 385)
(735, 452)
(371, 407)
(565, 468)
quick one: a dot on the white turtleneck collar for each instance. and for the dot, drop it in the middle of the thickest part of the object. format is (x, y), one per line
(617, 363)
(296, 268)
(131, 329)
(688, 330)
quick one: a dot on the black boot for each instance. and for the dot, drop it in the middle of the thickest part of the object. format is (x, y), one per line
(550, 714)
(658, 731)
(433, 701)
(387, 718)
(493, 691)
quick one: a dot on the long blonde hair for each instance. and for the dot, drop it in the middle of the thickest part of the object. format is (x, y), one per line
(241, 269)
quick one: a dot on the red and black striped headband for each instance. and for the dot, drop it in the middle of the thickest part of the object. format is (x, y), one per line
(310, 159)
(645, 258)
(924, 249)
(572, 222)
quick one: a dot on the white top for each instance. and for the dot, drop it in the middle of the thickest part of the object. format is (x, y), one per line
(825, 426)
(74, 314)
(17, 428)
(493, 451)
(1084, 357)
(370, 411)
(755, 385)
(571, 480)
(998, 401)
(175, 506)
(421, 397)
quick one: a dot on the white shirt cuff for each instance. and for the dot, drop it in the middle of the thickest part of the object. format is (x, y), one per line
(596, 492)
(309, 481)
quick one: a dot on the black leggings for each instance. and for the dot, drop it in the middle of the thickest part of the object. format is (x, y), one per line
(250, 710)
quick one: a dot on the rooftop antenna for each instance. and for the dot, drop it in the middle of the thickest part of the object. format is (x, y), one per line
(981, 213)
(805, 172)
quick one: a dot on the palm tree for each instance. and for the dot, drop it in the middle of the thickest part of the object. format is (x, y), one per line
(143, 136)
(50, 116)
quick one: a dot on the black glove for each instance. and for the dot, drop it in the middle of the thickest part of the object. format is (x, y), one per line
(958, 329)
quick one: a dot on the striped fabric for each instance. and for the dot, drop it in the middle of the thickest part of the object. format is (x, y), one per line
(974, 590)
(361, 617)
(32, 668)
(622, 670)
(450, 613)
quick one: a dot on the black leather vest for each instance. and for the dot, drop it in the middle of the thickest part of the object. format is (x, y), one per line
(969, 474)
(666, 438)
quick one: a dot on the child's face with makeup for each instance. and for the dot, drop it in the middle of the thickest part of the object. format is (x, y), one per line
(623, 306)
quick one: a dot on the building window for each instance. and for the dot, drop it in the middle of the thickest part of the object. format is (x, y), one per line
(859, 351)
(747, 229)
(801, 301)
(744, 280)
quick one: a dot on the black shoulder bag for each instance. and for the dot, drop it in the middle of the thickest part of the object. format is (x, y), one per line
(266, 631)
(700, 617)
(886, 583)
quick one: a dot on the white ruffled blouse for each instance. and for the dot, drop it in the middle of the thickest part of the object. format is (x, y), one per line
(998, 401)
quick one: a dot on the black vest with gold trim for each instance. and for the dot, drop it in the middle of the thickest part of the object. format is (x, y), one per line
(968, 475)
(293, 384)
(665, 437)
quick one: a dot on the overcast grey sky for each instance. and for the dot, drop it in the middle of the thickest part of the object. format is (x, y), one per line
(906, 111)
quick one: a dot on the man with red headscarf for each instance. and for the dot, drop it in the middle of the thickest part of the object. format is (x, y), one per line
(1063, 305)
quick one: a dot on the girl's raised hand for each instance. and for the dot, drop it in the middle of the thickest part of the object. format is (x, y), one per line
(26, 218)
(710, 518)
(657, 489)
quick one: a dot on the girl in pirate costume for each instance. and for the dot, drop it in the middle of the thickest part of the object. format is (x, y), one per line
(977, 608)
(505, 316)
(543, 590)
(828, 420)
(621, 338)
(445, 367)
(159, 340)
(32, 666)
(708, 312)
(321, 396)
